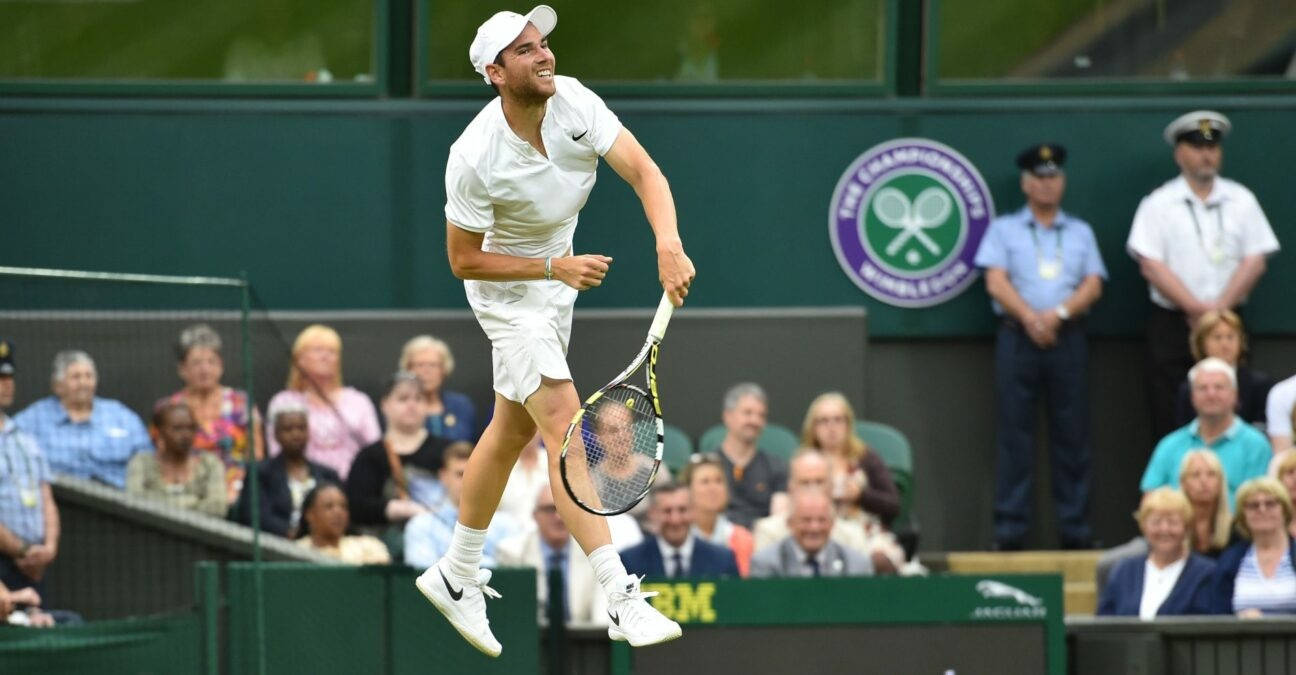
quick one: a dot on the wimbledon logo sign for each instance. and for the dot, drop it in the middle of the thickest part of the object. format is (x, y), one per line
(906, 219)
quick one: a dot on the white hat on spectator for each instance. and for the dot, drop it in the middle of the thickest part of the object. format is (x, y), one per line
(503, 28)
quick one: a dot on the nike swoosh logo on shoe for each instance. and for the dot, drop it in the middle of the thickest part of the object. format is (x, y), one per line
(582, 135)
(454, 595)
(615, 619)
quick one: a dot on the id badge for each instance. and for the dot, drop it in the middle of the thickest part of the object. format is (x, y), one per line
(1216, 254)
(29, 498)
(1049, 269)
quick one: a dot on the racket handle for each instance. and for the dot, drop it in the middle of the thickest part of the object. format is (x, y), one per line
(664, 309)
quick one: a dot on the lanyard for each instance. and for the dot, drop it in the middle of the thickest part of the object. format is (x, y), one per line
(1057, 251)
(1215, 252)
(26, 460)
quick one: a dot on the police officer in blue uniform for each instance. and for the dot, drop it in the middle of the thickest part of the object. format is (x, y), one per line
(1043, 272)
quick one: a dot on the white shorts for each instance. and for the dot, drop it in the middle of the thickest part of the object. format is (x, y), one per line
(529, 326)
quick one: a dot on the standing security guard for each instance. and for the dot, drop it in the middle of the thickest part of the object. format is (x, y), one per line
(1201, 241)
(1043, 271)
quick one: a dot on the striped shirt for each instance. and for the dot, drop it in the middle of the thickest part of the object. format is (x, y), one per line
(1271, 595)
(96, 449)
(23, 470)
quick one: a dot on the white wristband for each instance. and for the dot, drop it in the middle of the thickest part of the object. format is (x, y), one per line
(1062, 312)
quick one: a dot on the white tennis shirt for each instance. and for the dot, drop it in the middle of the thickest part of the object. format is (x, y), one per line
(1201, 241)
(527, 204)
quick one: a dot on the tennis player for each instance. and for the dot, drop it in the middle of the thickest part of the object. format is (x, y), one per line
(516, 180)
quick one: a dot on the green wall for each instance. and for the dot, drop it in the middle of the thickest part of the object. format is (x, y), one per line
(338, 204)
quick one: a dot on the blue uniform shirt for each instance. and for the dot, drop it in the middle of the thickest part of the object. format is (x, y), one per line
(1018, 245)
(23, 472)
(97, 449)
(1242, 450)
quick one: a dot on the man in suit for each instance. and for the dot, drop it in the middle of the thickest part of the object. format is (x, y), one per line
(550, 546)
(809, 551)
(674, 552)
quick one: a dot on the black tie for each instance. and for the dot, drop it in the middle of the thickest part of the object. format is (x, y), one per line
(555, 566)
(678, 562)
(813, 563)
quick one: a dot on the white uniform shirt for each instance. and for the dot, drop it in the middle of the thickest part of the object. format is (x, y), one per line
(524, 202)
(1278, 407)
(1157, 584)
(1202, 242)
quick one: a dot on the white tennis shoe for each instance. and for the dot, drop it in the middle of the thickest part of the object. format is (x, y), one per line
(463, 602)
(634, 620)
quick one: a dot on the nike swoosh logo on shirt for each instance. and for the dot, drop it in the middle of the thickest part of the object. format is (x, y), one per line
(454, 595)
(582, 135)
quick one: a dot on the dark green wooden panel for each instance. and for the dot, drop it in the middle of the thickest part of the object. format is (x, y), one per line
(339, 204)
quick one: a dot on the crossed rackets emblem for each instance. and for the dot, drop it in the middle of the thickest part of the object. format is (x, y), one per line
(930, 210)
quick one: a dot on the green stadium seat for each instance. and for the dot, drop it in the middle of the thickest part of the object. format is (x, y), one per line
(777, 440)
(678, 447)
(894, 449)
(889, 443)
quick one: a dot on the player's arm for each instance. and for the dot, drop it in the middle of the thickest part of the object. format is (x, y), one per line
(629, 159)
(469, 261)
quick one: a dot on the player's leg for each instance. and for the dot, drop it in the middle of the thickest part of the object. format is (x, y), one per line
(633, 619)
(552, 408)
(455, 584)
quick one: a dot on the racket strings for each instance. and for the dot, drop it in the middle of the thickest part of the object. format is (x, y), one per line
(619, 435)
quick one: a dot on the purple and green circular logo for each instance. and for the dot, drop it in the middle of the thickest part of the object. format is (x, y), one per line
(906, 219)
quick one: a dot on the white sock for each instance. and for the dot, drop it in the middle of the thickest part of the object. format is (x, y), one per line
(608, 568)
(465, 552)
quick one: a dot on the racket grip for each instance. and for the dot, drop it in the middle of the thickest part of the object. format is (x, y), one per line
(664, 309)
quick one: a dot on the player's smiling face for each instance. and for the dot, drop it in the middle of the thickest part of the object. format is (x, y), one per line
(528, 70)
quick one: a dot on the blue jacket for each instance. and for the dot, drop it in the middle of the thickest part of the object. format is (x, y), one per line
(1191, 593)
(708, 560)
(1226, 570)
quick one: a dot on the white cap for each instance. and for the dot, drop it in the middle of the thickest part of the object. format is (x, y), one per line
(502, 29)
(1198, 125)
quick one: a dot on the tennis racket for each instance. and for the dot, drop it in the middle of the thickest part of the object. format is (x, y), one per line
(613, 446)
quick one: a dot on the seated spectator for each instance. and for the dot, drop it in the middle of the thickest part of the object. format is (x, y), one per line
(427, 535)
(449, 414)
(342, 420)
(1171, 579)
(29, 516)
(175, 474)
(221, 412)
(675, 551)
(809, 470)
(1280, 414)
(1202, 480)
(286, 478)
(808, 551)
(81, 434)
(1257, 575)
(1242, 450)
(379, 484)
(549, 546)
(1287, 476)
(325, 521)
(754, 476)
(863, 488)
(709, 495)
(1219, 333)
